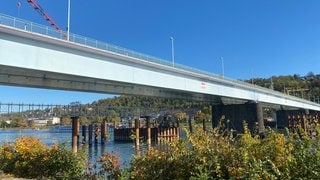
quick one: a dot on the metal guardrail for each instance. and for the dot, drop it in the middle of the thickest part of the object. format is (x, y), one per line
(51, 32)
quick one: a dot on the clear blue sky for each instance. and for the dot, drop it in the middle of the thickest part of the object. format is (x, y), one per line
(256, 38)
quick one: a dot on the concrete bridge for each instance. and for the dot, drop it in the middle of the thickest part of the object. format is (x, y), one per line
(33, 55)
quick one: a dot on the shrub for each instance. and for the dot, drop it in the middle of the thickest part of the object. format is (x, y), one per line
(217, 154)
(28, 157)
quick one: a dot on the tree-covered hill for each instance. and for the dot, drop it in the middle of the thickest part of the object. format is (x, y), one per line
(153, 103)
(307, 87)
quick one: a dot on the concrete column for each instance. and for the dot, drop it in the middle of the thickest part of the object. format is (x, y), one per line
(260, 119)
(282, 119)
(307, 111)
(216, 115)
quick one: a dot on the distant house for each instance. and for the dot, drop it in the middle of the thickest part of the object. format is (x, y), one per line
(44, 122)
(40, 122)
(53, 121)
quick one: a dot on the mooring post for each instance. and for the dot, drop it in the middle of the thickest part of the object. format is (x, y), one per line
(158, 135)
(84, 134)
(78, 131)
(96, 133)
(115, 125)
(103, 131)
(137, 127)
(75, 134)
(148, 132)
(90, 134)
(178, 131)
(190, 124)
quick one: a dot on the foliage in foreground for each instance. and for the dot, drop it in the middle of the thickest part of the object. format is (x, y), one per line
(218, 155)
(28, 157)
(215, 154)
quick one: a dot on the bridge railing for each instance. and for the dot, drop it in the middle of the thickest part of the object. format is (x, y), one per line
(48, 31)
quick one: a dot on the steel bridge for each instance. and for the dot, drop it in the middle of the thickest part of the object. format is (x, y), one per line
(45, 111)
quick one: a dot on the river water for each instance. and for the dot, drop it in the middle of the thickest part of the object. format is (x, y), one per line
(124, 150)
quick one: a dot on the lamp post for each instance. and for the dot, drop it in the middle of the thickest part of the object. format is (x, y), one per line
(68, 28)
(222, 66)
(172, 50)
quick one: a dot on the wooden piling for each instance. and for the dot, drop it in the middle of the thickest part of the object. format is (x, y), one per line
(78, 131)
(190, 124)
(84, 134)
(158, 135)
(75, 134)
(148, 132)
(90, 134)
(96, 133)
(178, 131)
(137, 128)
(103, 132)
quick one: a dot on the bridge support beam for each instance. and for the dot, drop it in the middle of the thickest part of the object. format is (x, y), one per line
(260, 119)
(234, 115)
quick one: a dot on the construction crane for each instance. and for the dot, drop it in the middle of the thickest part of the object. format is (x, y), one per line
(44, 14)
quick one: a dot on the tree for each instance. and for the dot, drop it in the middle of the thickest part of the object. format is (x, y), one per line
(32, 123)
(4, 124)
(83, 120)
(180, 116)
(65, 121)
(19, 122)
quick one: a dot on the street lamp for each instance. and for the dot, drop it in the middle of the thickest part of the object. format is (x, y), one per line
(172, 50)
(222, 66)
(68, 28)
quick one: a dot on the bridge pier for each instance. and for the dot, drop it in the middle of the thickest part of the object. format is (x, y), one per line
(260, 120)
(282, 116)
(234, 115)
(216, 115)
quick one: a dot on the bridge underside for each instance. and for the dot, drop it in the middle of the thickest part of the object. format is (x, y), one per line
(14, 76)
